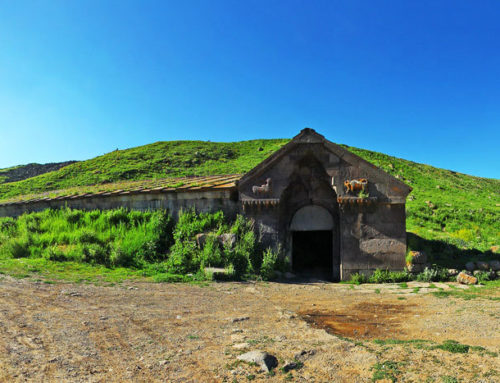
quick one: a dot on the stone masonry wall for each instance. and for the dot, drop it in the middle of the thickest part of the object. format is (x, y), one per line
(206, 201)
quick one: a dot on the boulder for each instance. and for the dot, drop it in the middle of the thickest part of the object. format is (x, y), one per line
(494, 265)
(289, 275)
(466, 279)
(481, 265)
(470, 266)
(266, 361)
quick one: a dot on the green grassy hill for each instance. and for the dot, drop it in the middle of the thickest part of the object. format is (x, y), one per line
(448, 211)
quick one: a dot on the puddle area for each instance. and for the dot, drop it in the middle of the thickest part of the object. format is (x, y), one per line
(362, 321)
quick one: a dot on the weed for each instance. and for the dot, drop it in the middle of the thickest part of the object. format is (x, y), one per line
(433, 274)
(453, 346)
(268, 264)
(448, 379)
(358, 278)
(385, 370)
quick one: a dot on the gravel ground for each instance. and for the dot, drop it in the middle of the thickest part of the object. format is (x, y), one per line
(193, 333)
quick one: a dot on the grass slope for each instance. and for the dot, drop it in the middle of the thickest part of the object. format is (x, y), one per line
(458, 211)
(158, 160)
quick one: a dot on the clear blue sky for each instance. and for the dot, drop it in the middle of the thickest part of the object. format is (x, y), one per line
(415, 79)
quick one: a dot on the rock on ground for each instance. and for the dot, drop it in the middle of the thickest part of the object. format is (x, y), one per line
(466, 279)
(266, 361)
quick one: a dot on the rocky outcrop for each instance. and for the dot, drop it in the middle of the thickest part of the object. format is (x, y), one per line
(23, 172)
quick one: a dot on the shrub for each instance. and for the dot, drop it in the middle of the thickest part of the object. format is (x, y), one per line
(238, 260)
(433, 274)
(54, 253)
(180, 260)
(190, 223)
(211, 254)
(73, 216)
(386, 276)
(17, 248)
(483, 276)
(86, 236)
(96, 254)
(7, 225)
(116, 217)
(269, 263)
(453, 346)
(358, 278)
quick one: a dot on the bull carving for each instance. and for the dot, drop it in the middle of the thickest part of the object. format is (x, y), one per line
(355, 186)
(263, 190)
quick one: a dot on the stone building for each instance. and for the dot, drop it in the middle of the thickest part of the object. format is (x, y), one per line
(331, 212)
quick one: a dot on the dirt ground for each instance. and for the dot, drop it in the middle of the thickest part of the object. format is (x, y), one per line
(148, 332)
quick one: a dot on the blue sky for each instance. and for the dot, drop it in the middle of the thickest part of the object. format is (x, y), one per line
(415, 79)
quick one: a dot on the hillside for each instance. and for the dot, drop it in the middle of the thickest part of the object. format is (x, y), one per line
(22, 172)
(458, 210)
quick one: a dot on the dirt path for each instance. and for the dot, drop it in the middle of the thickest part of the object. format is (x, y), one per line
(187, 333)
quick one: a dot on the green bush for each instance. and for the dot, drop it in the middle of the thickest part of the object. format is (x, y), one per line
(386, 276)
(17, 248)
(211, 254)
(54, 253)
(483, 276)
(95, 254)
(269, 263)
(358, 278)
(453, 346)
(433, 274)
(182, 255)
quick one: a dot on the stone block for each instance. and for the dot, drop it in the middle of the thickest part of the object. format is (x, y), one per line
(494, 265)
(384, 245)
(484, 266)
(466, 279)
(470, 266)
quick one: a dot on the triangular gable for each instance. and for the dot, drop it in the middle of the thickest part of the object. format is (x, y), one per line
(309, 136)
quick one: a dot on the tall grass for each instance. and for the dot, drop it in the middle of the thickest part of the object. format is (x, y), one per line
(142, 240)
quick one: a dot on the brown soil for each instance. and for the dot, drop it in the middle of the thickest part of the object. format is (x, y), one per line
(362, 321)
(187, 333)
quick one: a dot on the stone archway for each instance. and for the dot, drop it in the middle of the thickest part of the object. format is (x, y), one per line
(313, 240)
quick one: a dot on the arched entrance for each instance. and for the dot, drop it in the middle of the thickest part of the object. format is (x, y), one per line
(313, 238)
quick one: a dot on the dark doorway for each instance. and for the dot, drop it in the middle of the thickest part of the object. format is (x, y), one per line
(312, 254)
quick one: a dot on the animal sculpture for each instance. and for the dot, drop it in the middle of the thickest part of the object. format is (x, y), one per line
(263, 189)
(355, 186)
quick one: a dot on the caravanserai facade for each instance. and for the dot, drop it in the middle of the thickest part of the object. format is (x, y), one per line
(331, 212)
